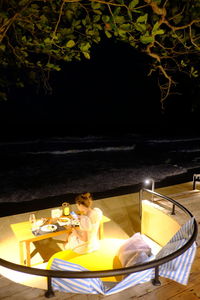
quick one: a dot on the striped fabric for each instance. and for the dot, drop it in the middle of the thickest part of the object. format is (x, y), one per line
(75, 285)
(178, 269)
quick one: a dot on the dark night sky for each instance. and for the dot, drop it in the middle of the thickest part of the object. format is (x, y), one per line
(109, 93)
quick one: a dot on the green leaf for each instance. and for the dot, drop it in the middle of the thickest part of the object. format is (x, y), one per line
(86, 54)
(126, 27)
(155, 27)
(108, 34)
(133, 4)
(91, 32)
(98, 26)
(24, 38)
(116, 11)
(67, 58)
(86, 21)
(122, 33)
(160, 31)
(132, 41)
(145, 39)
(2, 47)
(76, 23)
(35, 6)
(53, 66)
(23, 2)
(183, 63)
(43, 19)
(47, 41)
(142, 19)
(85, 46)
(98, 12)
(105, 19)
(140, 27)
(70, 44)
(119, 19)
(66, 31)
(95, 5)
(96, 18)
(69, 14)
(194, 72)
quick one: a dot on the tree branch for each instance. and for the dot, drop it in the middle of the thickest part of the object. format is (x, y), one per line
(4, 28)
(191, 39)
(165, 89)
(58, 22)
(175, 28)
(154, 55)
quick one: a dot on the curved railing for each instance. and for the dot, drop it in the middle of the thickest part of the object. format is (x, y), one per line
(107, 273)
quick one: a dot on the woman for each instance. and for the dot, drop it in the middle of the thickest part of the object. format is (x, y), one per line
(85, 239)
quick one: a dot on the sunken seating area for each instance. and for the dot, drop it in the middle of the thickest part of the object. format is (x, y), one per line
(154, 223)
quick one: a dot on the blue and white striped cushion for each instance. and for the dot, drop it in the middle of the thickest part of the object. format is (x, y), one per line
(75, 285)
(93, 285)
(179, 268)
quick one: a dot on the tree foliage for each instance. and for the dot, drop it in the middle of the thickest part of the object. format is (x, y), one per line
(36, 36)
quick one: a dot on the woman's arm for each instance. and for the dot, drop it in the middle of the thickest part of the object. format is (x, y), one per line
(81, 234)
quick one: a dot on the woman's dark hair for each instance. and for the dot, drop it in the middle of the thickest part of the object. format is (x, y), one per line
(84, 199)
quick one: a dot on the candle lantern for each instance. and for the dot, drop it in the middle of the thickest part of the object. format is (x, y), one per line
(66, 208)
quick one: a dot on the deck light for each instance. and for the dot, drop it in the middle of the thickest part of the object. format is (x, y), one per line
(152, 182)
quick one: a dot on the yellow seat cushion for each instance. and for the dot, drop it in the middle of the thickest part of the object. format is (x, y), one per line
(103, 259)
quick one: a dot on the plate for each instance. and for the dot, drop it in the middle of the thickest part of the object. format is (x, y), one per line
(64, 221)
(49, 228)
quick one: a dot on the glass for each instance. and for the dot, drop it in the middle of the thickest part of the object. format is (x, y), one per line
(32, 220)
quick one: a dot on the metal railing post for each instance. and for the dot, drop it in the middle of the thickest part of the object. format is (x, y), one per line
(156, 280)
(49, 293)
(173, 210)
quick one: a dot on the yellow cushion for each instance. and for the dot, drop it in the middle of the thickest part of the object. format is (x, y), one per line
(103, 259)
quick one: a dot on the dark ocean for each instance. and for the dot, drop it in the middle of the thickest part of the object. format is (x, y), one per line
(47, 167)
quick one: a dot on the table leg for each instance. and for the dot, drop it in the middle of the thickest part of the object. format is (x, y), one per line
(21, 253)
(28, 254)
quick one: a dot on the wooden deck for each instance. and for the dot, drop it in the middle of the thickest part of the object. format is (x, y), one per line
(168, 289)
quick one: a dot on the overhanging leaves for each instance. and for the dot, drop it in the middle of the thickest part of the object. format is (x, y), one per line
(36, 35)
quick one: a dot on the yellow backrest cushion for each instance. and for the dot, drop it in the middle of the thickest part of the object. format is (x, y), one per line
(157, 225)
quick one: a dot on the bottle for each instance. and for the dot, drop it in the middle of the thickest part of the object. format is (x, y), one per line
(66, 209)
